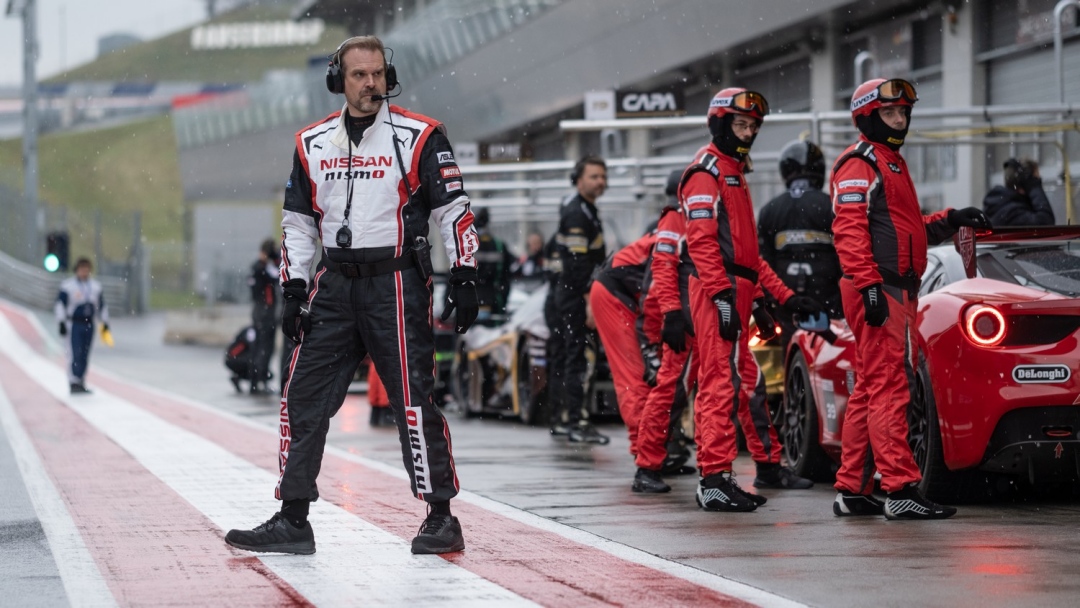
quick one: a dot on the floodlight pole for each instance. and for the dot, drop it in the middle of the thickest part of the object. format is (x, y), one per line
(28, 10)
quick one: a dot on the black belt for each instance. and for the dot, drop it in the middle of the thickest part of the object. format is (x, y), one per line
(356, 270)
(742, 271)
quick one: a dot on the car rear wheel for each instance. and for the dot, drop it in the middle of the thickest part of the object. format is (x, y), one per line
(924, 436)
(532, 383)
(800, 429)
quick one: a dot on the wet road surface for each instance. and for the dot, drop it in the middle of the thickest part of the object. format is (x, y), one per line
(147, 474)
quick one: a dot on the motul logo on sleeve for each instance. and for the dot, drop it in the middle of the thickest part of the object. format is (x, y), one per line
(1041, 374)
(450, 172)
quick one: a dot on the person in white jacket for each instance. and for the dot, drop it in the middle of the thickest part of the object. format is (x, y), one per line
(81, 298)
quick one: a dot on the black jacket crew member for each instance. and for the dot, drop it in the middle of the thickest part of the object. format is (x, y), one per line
(579, 245)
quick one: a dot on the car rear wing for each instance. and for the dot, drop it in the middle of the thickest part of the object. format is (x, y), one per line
(966, 238)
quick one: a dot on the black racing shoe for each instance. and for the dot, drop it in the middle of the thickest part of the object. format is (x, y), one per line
(587, 433)
(560, 429)
(675, 461)
(439, 534)
(909, 503)
(382, 417)
(277, 535)
(721, 493)
(849, 503)
(78, 388)
(649, 482)
(770, 475)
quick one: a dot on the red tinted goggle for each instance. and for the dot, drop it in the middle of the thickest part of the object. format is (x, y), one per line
(897, 89)
(745, 101)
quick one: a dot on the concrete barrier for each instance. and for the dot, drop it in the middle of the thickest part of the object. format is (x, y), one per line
(208, 326)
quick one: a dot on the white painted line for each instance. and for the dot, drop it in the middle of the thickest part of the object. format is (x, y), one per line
(356, 562)
(82, 580)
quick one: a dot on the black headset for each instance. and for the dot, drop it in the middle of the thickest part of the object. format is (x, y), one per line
(335, 79)
(579, 166)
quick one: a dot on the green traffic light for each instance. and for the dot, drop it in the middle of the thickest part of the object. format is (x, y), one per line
(52, 263)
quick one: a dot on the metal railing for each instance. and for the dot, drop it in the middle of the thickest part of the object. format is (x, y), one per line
(36, 288)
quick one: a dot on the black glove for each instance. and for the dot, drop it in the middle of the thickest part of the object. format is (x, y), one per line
(63, 328)
(877, 307)
(462, 296)
(651, 354)
(296, 314)
(766, 326)
(804, 305)
(727, 315)
(968, 216)
(674, 331)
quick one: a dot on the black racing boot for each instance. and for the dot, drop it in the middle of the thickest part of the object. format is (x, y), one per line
(909, 503)
(587, 433)
(772, 475)
(649, 482)
(675, 462)
(720, 493)
(440, 533)
(850, 503)
(277, 535)
(78, 388)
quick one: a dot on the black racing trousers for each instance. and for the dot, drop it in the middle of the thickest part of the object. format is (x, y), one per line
(389, 317)
(265, 320)
(565, 315)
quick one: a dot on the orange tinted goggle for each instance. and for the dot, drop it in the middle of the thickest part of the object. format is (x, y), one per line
(896, 89)
(749, 101)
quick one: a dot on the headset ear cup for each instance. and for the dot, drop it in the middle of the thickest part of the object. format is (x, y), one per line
(334, 82)
(391, 77)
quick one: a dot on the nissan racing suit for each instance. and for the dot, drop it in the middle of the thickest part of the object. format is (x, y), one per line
(881, 238)
(372, 296)
(723, 244)
(579, 246)
(614, 299)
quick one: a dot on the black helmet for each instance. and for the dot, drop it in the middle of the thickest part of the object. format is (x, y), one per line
(802, 159)
(481, 217)
(673, 179)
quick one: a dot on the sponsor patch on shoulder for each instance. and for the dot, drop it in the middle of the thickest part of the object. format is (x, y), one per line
(895, 168)
(853, 183)
(732, 180)
(853, 197)
(665, 247)
(445, 158)
(450, 171)
(452, 186)
(700, 214)
(699, 198)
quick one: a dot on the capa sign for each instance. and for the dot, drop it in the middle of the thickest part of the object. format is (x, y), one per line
(1041, 374)
(629, 104)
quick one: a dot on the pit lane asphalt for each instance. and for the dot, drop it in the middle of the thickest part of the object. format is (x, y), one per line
(1005, 554)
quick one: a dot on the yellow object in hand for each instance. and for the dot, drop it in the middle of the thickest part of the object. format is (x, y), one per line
(106, 337)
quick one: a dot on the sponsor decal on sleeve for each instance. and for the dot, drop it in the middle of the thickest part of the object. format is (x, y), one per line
(732, 180)
(853, 197)
(699, 198)
(665, 248)
(452, 186)
(700, 214)
(853, 183)
(445, 158)
(450, 171)
(667, 234)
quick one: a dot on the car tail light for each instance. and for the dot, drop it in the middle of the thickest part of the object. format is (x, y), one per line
(984, 325)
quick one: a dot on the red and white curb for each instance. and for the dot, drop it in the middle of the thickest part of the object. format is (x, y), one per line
(204, 471)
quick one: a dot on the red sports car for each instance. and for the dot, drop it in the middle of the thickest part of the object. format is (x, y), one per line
(997, 392)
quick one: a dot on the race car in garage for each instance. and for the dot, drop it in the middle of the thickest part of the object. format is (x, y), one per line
(996, 395)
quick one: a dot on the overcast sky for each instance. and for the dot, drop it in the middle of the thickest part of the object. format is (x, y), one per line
(68, 30)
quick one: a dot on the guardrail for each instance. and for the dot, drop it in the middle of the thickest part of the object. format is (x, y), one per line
(35, 288)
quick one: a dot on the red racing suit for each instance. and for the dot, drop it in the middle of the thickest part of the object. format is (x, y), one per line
(722, 239)
(667, 291)
(614, 299)
(881, 236)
